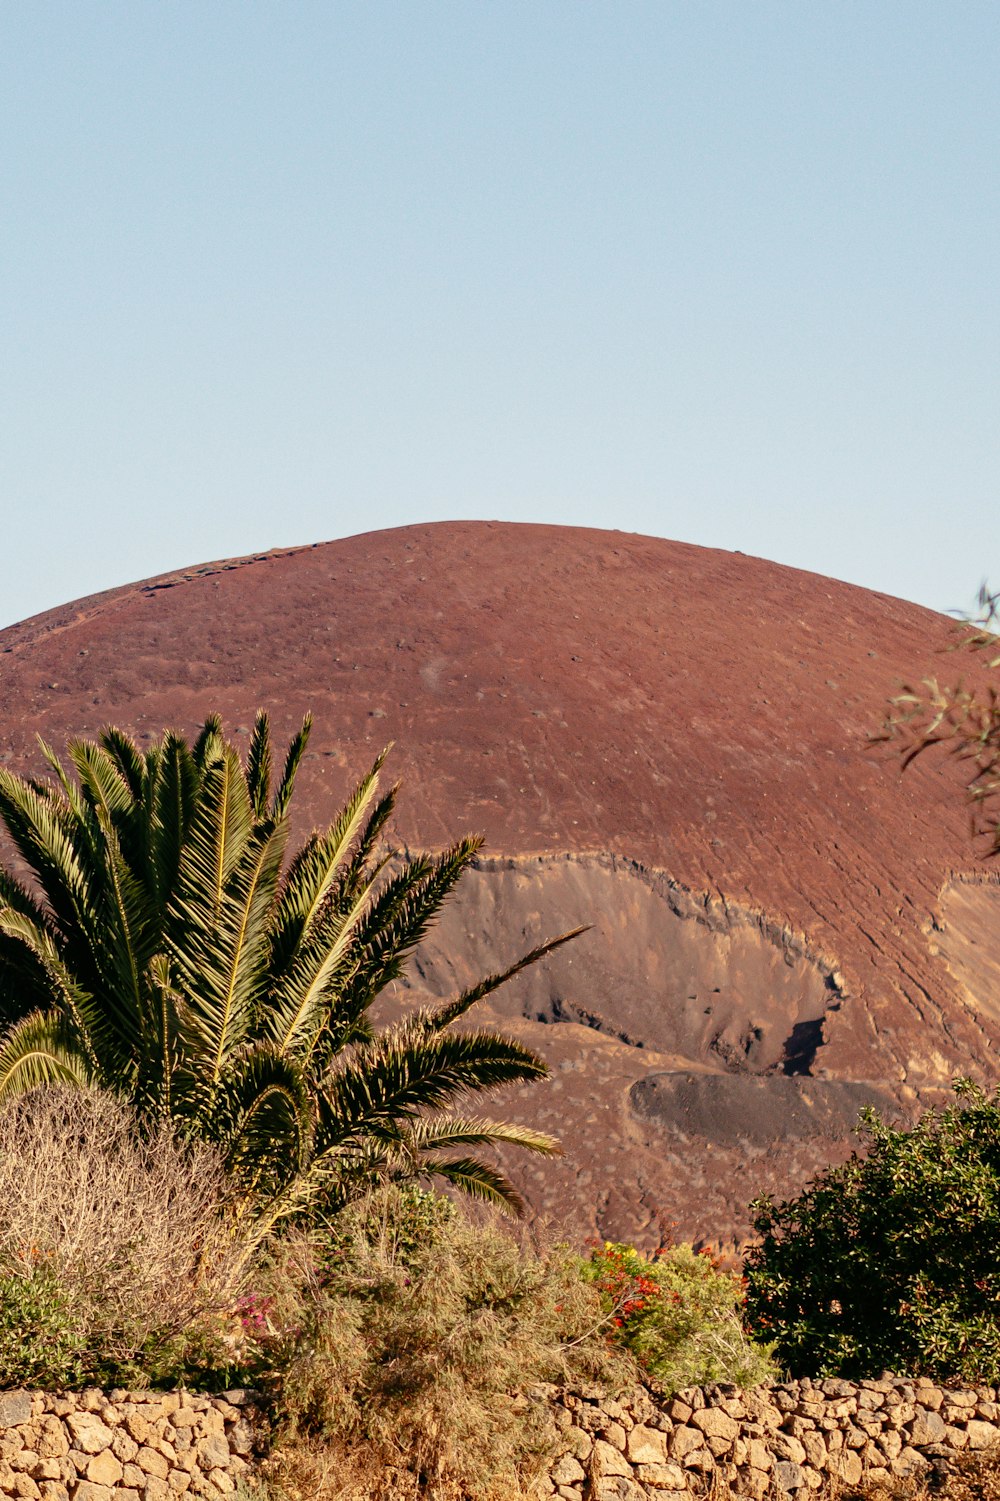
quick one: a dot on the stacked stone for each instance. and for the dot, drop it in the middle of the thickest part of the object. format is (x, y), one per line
(772, 1441)
(123, 1446)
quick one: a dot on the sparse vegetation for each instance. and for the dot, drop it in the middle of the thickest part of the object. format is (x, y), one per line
(401, 1344)
(400, 1348)
(210, 1161)
(890, 1260)
(119, 1258)
(974, 1477)
(964, 721)
(398, 1342)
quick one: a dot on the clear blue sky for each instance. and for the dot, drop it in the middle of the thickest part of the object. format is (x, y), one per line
(277, 273)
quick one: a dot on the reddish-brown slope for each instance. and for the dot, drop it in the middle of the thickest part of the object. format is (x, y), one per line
(688, 727)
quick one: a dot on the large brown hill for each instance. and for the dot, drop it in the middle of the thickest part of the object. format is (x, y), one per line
(663, 741)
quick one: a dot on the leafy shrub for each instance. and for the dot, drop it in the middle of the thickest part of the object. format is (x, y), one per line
(890, 1261)
(399, 1340)
(117, 1259)
(40, 1340)
(678, 1314)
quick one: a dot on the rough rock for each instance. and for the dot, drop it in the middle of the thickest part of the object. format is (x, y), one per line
(15, 1407)
(646, 1446)
(90, 1435)
(104, 1469)
(606, 1459)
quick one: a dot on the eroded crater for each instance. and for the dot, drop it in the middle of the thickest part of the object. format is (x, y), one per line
(661, 968)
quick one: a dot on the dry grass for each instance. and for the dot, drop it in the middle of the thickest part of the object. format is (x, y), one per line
(332, 1471)
(132, 1229)
(972, 1477)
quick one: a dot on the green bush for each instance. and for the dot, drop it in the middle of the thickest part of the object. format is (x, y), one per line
(40, 1340)
(890, 1261)
(678, 1314)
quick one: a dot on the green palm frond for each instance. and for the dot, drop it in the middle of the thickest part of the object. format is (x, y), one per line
(113, 780)
(259, 765)
(167, 958)
(358, 1166)
(396, 922)
(435, 1019)
(128, 931)
(13, 893)
(313, 873)
(220, 951)
(96, 911)
(41, 1049)
(162, 1024)
(57, 850)
(299, 1008)
(70, 793)
(296, 750)
(261, 1117)
(67, 853)
(364, 867)
(102, 782)
(76, 1006)
(479, 1180)
(172, 802)
(127, 758)
(444, 1133)
(410, 1151)
(399, 1075)
(23, 986)
(396, 912)
(218, 836)
(208, 747)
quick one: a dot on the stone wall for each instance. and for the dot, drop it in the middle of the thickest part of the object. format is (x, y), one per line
(784, 1440)
(124, 1446)
(778, 1441)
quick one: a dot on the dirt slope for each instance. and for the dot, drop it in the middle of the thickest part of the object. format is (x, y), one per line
(664, 741)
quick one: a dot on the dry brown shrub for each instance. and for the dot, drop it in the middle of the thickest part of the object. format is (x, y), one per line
(408, 1374)
(335, 1471)
(970, 1476)
(976, 1477)
(133, 1227)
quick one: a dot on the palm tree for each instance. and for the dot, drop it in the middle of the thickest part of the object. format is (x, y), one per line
(165, 951)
